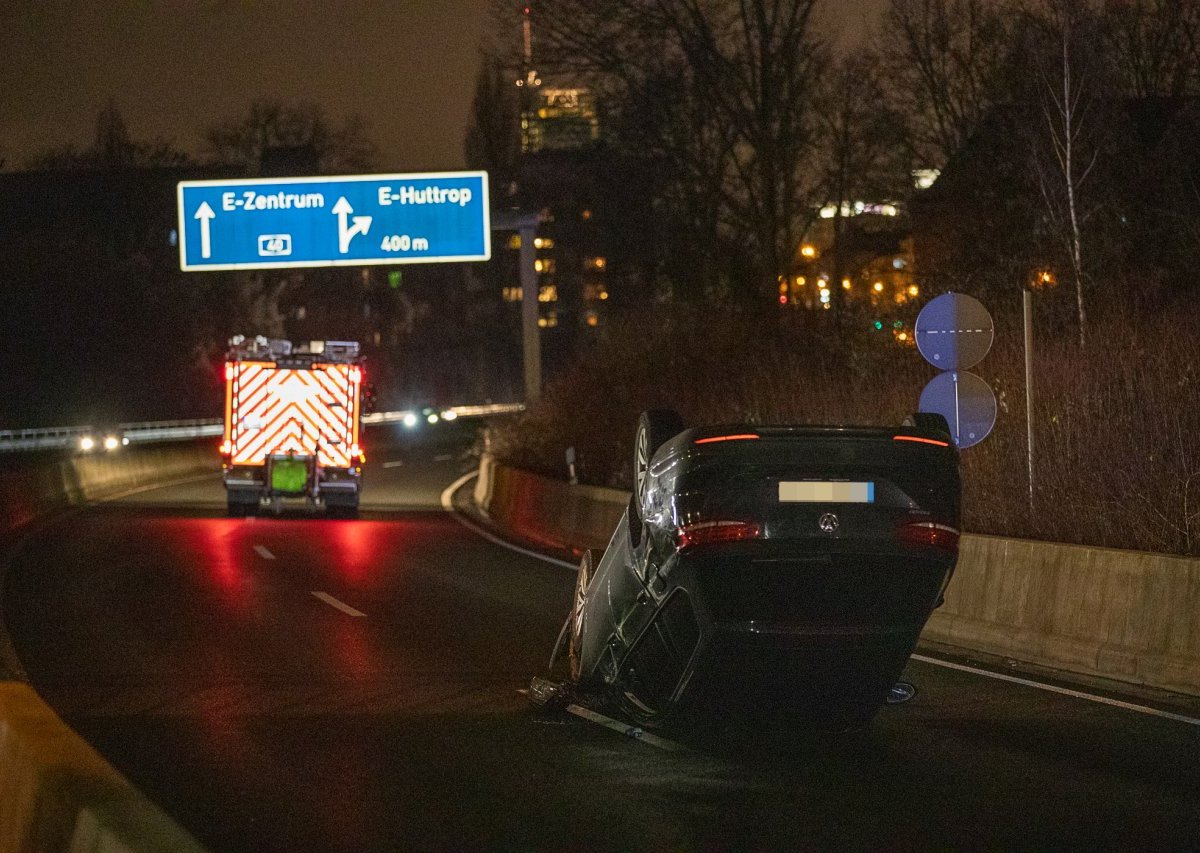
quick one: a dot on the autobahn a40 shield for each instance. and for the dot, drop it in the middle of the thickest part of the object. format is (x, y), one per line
(965, 401)
(334, 221)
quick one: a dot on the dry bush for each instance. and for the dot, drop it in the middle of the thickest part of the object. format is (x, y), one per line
(1117, 427)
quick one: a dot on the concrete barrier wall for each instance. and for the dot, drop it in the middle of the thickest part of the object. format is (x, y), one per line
(56, 792)
(1123, 615)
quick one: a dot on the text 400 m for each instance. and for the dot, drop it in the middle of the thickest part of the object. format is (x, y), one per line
(404, 243)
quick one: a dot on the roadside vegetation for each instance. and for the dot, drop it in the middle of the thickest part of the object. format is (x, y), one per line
(1115, 463)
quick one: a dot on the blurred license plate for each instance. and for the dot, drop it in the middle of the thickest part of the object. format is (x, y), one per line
(811, 491)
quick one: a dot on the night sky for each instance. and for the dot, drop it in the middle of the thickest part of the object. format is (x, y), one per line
(176, 67)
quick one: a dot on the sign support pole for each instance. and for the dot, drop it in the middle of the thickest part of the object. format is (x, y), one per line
(1027, 300)
(531, 342)
(525, 224)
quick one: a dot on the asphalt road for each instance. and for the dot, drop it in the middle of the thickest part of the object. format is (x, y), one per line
(299, 683)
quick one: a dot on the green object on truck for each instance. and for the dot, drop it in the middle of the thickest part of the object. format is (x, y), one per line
(289, 476)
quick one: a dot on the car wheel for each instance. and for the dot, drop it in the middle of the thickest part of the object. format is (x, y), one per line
(655, 428)
(575, 644)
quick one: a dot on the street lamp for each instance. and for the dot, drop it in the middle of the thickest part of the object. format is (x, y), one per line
(1040, 279)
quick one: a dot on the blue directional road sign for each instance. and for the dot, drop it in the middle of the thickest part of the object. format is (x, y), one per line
(334, 221)
(965, 401)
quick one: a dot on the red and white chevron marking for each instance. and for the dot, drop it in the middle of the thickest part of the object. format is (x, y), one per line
(276, 410)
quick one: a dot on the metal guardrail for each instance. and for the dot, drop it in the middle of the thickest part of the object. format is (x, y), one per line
(59, 438)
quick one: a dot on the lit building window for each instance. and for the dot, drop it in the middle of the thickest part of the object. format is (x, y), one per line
(808, 251)
(594, 263)
(549, 293)
(913, 290)
(592, 319)
(543, 243)
(923, 179)
(845, 284)
(548, 322)
(878, 286)
(514, 241)
(512, 294)
(585, 215)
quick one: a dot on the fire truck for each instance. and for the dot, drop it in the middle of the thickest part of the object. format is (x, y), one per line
(292, 425)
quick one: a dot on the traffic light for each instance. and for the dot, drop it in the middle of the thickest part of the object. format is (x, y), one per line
(878, 325)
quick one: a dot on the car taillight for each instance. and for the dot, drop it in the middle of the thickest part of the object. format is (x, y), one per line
(928, 534)
(716, 532)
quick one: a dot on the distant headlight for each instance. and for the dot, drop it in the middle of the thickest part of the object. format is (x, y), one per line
(432, 417)
(111, 442)
(410, 420)
(449, 415)
(87, 444)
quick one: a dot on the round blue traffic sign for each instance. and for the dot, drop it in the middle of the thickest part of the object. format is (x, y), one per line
(965, 401)
(954, 331)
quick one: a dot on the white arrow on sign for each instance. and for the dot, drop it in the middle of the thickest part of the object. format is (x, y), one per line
(347, 232)
(205, 214)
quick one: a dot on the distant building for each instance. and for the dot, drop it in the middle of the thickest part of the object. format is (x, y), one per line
(557, 175)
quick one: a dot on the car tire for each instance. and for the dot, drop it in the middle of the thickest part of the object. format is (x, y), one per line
(575, 631)
(655, 428)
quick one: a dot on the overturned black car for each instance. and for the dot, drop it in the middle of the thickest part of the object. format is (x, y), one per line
(767, 569)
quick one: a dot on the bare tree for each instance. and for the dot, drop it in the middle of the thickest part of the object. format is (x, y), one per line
(112, 148)
(344, 148)
(493, 140)
(1066, 151)
(1149, 43)
(860, 147)
(945, 60)
(734, 131)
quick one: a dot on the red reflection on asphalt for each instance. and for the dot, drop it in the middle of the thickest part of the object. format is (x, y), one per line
(354, 654)
(215, 549)
(360, 547)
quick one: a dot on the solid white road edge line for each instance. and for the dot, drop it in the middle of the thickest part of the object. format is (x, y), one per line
(1075, 694)
(333, 602)
(395, 464)
(264, 552)
(448, 506)
(625, 729)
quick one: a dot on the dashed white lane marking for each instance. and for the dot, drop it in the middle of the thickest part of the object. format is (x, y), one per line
(624, 728)
(333, 602)
(394, 464)
(264, 552)
(443, 457)
(448, 506)
(1063, 691)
